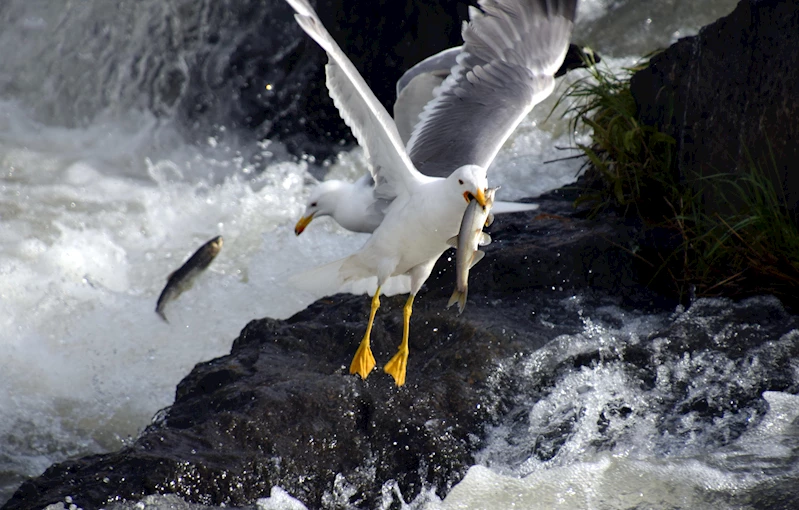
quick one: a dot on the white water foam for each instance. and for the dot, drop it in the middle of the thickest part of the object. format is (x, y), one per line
(616, 455)
(84, 253)
(613, 480)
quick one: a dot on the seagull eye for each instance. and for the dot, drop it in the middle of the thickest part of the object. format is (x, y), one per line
(313, 204)
(460, 181)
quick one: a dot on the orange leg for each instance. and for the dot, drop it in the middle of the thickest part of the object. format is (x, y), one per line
(363, 362)
(399, 363)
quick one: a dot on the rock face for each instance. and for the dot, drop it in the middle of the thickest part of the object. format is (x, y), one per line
(730, 95)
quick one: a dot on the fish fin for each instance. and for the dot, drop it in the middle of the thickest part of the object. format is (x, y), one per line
(453, 241)
(454, 298)
(489, 219)
(484, 239)
(460, 298)
(477, 257)
(160, 312)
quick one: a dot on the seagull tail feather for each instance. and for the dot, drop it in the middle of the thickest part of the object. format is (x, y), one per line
(327, 279)
(345, 275)
(512, 207)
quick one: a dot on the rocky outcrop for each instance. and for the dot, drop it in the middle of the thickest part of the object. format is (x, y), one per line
(730, 98)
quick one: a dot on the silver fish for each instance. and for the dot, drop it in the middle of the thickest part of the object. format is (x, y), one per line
(182, 279)
(469, 237)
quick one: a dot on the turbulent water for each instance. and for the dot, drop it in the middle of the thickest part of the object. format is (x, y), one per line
(106, 187)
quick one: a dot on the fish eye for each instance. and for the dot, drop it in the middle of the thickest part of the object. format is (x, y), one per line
(460, 181)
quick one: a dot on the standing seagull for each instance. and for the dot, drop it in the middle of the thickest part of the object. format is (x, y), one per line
(511, 51)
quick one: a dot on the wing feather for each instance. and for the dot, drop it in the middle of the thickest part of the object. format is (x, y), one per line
(371, 124)
(512, 49)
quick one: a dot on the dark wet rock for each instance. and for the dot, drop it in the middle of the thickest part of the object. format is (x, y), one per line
(730, 96)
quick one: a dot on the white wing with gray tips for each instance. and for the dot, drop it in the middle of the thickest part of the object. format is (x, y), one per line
(369, 121)
(439, 64)
(511, 51)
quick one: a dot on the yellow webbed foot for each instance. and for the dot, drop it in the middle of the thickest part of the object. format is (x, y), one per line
(363, 362)
(397, 365)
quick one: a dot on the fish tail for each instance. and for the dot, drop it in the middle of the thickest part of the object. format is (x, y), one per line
(160, 312)
(459, 297)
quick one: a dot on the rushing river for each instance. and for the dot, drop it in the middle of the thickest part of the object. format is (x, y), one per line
(102, 196)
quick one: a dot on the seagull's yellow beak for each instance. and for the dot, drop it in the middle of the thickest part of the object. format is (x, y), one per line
(480, 196)
(304, 221)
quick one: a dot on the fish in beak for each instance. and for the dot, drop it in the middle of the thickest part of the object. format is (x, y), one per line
(304, 221)
(479, 196)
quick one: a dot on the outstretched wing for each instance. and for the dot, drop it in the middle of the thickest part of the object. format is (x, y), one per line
(371, 124)
(415, 89)
(439, 64)
(511, 50)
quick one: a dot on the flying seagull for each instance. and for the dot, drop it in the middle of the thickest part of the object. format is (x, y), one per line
(353, 205)
(511, 51)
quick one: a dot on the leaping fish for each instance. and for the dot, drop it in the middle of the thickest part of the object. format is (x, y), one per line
(182, 279)
(469, 238)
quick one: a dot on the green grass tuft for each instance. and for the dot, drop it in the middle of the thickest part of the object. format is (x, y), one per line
(630, 160)
(752, 249)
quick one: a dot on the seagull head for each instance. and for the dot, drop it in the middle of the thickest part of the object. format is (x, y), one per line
(471, 182)
(322, 202)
